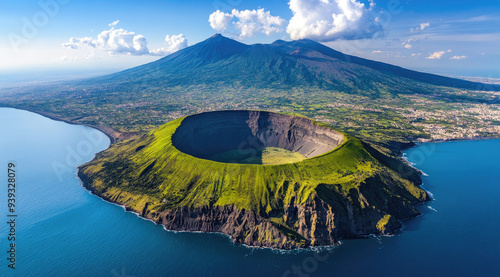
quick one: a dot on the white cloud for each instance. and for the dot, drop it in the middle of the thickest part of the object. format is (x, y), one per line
(408, 43)
(481, 18)
(458, 57)
(248, 22)
(422, 27)
(376, 52)
(219, 21)
(253, 21)
(437, 55)
(328, 20)
(120, 41)
(75, 43)
(175, 43)
(113, 24)
(410, 40)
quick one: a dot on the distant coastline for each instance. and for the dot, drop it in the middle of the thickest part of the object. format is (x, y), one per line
(114, 136)
(110, 133)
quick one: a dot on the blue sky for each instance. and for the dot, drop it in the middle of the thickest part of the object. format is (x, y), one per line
(459, 38)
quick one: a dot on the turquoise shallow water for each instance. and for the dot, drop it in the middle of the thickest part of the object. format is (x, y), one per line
(62, 230)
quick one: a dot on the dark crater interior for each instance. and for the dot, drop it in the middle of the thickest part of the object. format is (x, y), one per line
(209, 134)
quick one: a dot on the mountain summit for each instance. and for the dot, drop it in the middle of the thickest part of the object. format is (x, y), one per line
(211, 50)
(219, 60)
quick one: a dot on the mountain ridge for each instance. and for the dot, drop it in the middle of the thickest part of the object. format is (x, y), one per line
(221, 60)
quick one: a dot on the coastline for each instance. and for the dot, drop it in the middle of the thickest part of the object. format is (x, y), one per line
(417, 143)
(135, 236)
(230, 239)
(114, 139)
(110, 133)
(114, 136)
(177, 219)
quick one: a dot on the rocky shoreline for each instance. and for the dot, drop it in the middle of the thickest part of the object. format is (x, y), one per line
(322, 221)
(250, 229)
(317, 222)
(110, 133)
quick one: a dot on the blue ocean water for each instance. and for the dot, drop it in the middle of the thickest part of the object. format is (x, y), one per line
(63, 230)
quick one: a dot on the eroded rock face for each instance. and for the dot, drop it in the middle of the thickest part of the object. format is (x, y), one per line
(319, 222)
(207, 134)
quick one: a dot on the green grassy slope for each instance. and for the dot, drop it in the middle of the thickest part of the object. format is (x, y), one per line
(150, 170)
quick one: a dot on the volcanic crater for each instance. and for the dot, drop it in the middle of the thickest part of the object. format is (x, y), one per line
(253, 137)
(236, 172)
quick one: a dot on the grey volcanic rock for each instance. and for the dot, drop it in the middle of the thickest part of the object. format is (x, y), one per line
(242, 226)
(207, 134)
(323, 221)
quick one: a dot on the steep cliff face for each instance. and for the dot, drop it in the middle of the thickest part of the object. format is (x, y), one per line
(243, 226)
(343, 193)
(206, 134)
(324, 220)
(319, 222)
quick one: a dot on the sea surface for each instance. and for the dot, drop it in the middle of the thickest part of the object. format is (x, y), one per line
(63, 230)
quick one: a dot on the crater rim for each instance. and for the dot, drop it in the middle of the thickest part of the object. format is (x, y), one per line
(254, 137)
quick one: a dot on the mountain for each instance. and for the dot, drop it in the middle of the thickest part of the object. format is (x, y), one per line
(302, 63)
